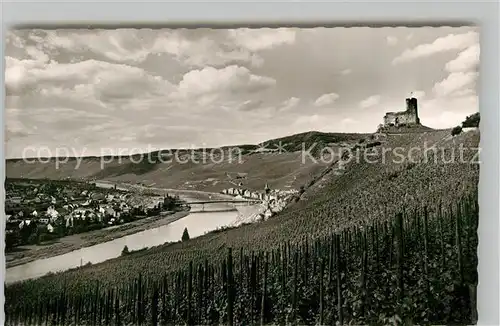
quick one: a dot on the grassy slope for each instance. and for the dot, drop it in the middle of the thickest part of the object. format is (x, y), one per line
(363, 191)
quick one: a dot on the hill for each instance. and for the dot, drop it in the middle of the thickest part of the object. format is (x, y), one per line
(342, 225)
(252, 166)
(417, 128)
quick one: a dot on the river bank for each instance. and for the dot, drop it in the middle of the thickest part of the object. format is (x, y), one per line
(197, 224)
(78, 241)
(187, 195)
(27, 254)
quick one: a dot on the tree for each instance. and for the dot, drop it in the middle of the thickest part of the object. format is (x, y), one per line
(185, 235)
(455, 131)
(12, 239)
(125, 250)
(471, 121)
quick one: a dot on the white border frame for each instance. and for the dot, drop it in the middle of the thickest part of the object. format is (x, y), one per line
(284, 13)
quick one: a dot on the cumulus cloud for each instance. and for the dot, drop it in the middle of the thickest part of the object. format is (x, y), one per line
(446, 112)
(418, 94)
(467, 60)
(326, 99)
(84, 87)
(262, 38)
(323, 122)
(348, 121)
(289, 104)
(442, 44)
(15, 125)
(463, 74)
(392, 40)
(249, 105)
(370, 101)
(36, 54)
(122, 45)
(346, 72)
(14, 40)
(102, 80)
(456, 81)
(193, 47)
(202, 48)
(231, 79)
(307, 121)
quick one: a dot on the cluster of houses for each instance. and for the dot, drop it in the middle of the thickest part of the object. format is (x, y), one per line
(265, 195)
(65, 206)
(273, 200)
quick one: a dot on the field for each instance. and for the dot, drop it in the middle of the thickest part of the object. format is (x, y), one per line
(366, 242)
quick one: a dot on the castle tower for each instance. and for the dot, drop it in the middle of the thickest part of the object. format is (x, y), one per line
(412, 107)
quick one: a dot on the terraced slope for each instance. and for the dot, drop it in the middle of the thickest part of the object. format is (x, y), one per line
(361, 191)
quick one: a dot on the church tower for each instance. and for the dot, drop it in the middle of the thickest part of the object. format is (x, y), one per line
(267, 190)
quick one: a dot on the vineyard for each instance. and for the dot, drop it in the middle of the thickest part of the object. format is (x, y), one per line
(416, 267)
(380, 243)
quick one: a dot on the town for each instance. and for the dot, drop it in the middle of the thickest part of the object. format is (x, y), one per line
(38, 211)
(273, 200)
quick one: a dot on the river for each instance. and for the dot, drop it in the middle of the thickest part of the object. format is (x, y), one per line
(196, 223)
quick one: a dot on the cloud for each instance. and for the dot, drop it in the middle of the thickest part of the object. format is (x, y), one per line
(36, 54)
(456, 81)
(442, 44)
(347, 121)
(467, 60)
(14, 40)
(392, 40)
(326, 99)
(122, 45)
(15, 125)
(289, 104)
(463, 74)
(192, 47)
(90, 85)
(446, 119)
(268, 111)
(250, 105)
(231, 80)
(346, 72)
(370, 101)
(45, 115)
(418, 94)
(203, 48)
(263, 38)
(322, 122)
(446, 112)
(307, 121)
(99, 80)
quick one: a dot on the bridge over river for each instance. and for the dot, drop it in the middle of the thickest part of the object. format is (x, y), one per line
(218, 208)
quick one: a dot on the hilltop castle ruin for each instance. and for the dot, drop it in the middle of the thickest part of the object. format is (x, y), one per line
(403, 118)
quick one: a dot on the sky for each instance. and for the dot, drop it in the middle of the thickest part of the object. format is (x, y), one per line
(124, 91)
